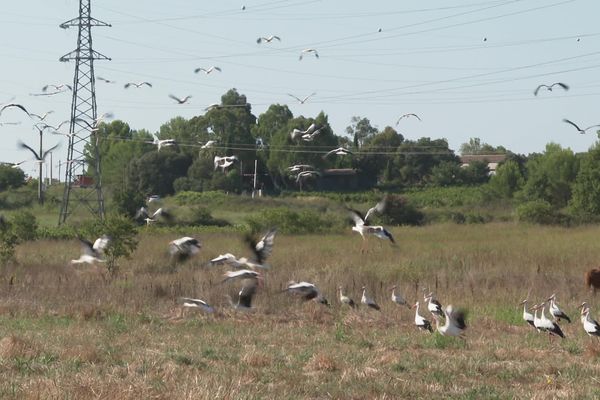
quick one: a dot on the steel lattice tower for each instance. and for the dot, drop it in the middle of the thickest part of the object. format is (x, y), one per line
(83, 142)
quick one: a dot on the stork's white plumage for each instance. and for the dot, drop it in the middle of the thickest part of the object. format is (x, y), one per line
(197, 303)
(160, 143)
(421, 322)
(306, 290)
(300, 168)
(306, 174)
(340, 151)
(454, 324)
(241, 274)
(184, 248)
(92, 252)
(527, 316)
(87, 259)
(267, 39)
(309, 51)
(362, 228)
(434, 306)
(368, 301)
(224, 162)
(160, 213)
(555, 311)
(397, 297)
(345, 299)
(546, 324)
(296, 133)
(590, 326)
(180, 100)
(208, 144)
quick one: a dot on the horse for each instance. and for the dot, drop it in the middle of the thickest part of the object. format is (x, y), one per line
(592, 279)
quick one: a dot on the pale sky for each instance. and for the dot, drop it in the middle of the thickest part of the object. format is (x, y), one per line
(468, 68)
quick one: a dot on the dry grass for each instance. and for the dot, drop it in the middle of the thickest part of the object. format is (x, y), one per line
(68, 333)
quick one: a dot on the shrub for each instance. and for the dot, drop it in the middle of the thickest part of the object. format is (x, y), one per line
(24, 226)
(400, 212)
(541, 212)
(8, 241)
(199, 215)
(295, 222)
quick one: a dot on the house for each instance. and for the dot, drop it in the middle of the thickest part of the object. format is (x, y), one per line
(83, 181)
(492, 160)
(338, 179)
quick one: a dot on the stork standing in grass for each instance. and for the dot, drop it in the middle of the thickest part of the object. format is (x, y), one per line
(545, 324)
(368, 301)
(556, 312)
(345, 299)
(421, 323)
(434, 306)
(527, 316)
(397, 297)
(590, 326)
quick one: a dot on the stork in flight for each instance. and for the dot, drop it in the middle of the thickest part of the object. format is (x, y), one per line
(58, 87)
(361, 223)
(180, 100)
(303, 100)
(105, 80)
(308, 51)
(160, 143)
(549, 87)
(41, 117)
(454, 324)
(207, 70)
(296, 133)
(198, 304)
(268, 39)
(92, 252)
(11, 105)
(340, 151)
(406, 116)
(183, 248)
(224, 162)
(39, 159)
(581, 131)
(307, 291)
(137, 84)
(208, 144)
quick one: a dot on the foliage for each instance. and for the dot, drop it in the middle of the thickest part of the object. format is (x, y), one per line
(507, 180)
(416, 159)
(550, 176)
(540, 212)
(199, 215)
(127, 202)
(586, 190)
(476, 173)
(293, 222)
(8, 241)
(360, 129)
(154, 172)
(123, 237)
(475, 147)
(24, 225)
(456, 196)
(399, 211)
(11, 178)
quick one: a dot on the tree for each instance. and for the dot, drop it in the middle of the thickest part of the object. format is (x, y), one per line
(11, 178)
(550, 175)
(508, 179)
(586, 190)
(476, 173)
(416, 159)
(154, 172)
(474, 146)
(360, 129)
(376, 167)
(446, 173)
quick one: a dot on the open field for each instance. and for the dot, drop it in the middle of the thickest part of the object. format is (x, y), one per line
(70, 332)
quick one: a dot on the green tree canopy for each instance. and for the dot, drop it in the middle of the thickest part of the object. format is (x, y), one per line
(586, 190)
(474, 146)
(10, 177)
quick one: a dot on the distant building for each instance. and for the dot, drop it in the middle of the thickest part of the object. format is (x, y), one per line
(83, 181)
(492, 160)
(338, 179)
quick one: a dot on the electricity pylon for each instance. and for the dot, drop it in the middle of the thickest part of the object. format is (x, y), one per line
(83, 143)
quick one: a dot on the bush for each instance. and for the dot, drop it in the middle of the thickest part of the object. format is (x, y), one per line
(294, 222)
(24, 226)
(198, 215)
(8, 241)
(400, 212)
(541, 212)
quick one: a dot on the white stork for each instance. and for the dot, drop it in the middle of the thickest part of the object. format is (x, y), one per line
(137, 84)
(433, 305)
(224, 162)
(183, 248)
(549, 87)
(527, 316)
(590, 326)
(196, 303)
(368, 301)
(296, 133)
(160, 143)
(92, 252)
(397, 297)
(421, 323)
(556, 312)
(546, 324)
(307, 291)
(455, 322)
(340, 151)
(345, 299)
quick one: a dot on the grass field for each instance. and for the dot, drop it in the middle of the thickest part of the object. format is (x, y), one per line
(70, 332)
